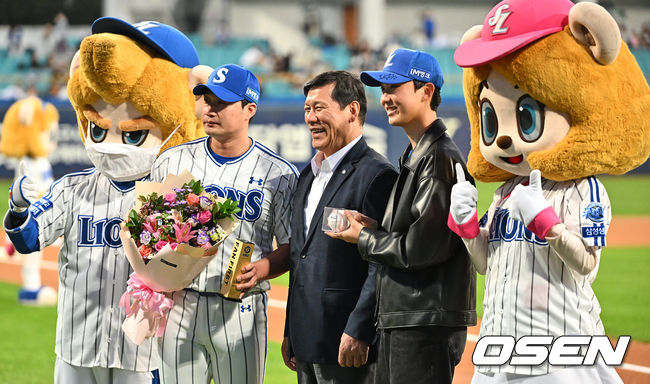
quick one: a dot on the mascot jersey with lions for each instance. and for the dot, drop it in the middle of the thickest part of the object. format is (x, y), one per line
(261, 181)
(528, 288)
(87, 209)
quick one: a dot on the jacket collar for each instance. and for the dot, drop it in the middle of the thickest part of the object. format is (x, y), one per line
(432, 134)
(345, 168)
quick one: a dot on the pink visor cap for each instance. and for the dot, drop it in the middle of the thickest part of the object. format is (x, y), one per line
(510, 25)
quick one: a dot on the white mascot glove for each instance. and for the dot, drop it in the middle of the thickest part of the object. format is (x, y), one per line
(462, 208)
(529, 206)
(23, 191)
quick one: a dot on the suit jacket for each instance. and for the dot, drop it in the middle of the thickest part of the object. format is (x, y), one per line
(332, 290)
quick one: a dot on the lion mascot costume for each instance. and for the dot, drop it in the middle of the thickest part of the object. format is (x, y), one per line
(130, 85)
(554, 97)
(29, 134)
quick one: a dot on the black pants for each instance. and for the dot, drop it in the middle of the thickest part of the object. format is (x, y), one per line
(313, 373)
(419, 354)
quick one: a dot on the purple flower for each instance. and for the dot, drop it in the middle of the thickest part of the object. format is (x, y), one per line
(202, 238)
(205, 202)
(145, 237)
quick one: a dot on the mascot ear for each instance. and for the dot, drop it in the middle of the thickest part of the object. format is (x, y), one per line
(472, 34)
(75, 63)
(198, 75)
(27, 111)
(594, 27)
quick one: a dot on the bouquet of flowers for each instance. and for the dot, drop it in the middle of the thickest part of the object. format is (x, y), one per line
(172, 233)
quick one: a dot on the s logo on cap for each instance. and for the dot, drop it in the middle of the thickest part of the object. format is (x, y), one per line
(498, 19)
(220, 76)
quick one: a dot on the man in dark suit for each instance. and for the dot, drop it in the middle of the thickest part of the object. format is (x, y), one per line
(330, 311)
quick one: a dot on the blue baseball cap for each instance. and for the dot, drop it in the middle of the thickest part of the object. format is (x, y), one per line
(164, 39)
(231, 83)
(405, 65)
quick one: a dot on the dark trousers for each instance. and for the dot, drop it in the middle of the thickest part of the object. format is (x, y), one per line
(313, 373)
(419, 354)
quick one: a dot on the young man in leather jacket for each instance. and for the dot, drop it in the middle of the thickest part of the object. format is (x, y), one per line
(426, 285)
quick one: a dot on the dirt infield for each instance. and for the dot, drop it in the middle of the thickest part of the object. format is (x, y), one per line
(626, 231)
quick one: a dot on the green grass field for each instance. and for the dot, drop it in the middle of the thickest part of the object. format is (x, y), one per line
(622, 286)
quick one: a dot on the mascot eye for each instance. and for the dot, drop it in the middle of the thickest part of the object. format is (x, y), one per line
(97, 133)
(530, 118)
(489, 122)
(134, 137)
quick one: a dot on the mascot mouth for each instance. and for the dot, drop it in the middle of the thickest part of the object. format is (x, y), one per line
(514, 159)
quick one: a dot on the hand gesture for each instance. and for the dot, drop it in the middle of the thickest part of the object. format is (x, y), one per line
(352, 352)
(528, 201)
(351, 235)
(463, 198)
(288, 361)
(23, 191)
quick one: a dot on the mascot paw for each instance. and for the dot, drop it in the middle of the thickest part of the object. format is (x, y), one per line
(43, 297)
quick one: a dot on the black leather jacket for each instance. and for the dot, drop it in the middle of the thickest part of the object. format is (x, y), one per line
(425, 276)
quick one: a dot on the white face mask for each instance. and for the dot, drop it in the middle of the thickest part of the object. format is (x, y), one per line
(123, 162)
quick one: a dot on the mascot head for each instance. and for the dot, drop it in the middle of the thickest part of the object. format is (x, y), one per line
(131, 87)
(29, 128)
(550, 85)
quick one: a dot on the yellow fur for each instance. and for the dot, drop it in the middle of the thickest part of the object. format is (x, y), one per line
(117, 69)
(19, 139)
(608, 108)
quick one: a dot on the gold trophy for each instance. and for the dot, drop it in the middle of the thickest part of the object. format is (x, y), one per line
(242, 252)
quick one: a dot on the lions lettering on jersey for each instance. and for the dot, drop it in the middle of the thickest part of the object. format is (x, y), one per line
(99, 233)
(506, 229)
(250, 202)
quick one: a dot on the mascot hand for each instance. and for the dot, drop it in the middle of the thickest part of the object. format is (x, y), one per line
(462, 210)
(23, 191)
(529, 206)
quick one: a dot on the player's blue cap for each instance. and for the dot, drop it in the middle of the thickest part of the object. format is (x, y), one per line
(164, 39)
(231, 83)
(405, 65)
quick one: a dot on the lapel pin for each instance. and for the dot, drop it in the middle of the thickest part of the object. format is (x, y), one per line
(343, 171)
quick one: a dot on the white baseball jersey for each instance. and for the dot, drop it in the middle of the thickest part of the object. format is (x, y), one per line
(528, 288)
(209, 336)
(260, 180)
(86, 209)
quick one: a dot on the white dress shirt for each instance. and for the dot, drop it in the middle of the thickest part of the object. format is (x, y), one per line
(323, 168)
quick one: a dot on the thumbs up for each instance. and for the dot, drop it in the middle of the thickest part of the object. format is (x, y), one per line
(462, 207)
(528, 205)
(23, 191)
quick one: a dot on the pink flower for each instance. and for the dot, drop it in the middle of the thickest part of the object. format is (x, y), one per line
(173, 246)
(170, 197)
(183, 232)
(159, 245)
(192, 199)
(204, 216)
(145, 251)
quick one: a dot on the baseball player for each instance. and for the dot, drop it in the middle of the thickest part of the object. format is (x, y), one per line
(87, 207)
(207, 336)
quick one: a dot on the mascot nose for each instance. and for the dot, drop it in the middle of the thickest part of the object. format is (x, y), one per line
(504, 142)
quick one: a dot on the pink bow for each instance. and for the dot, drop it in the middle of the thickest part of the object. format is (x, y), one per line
(150, 301)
